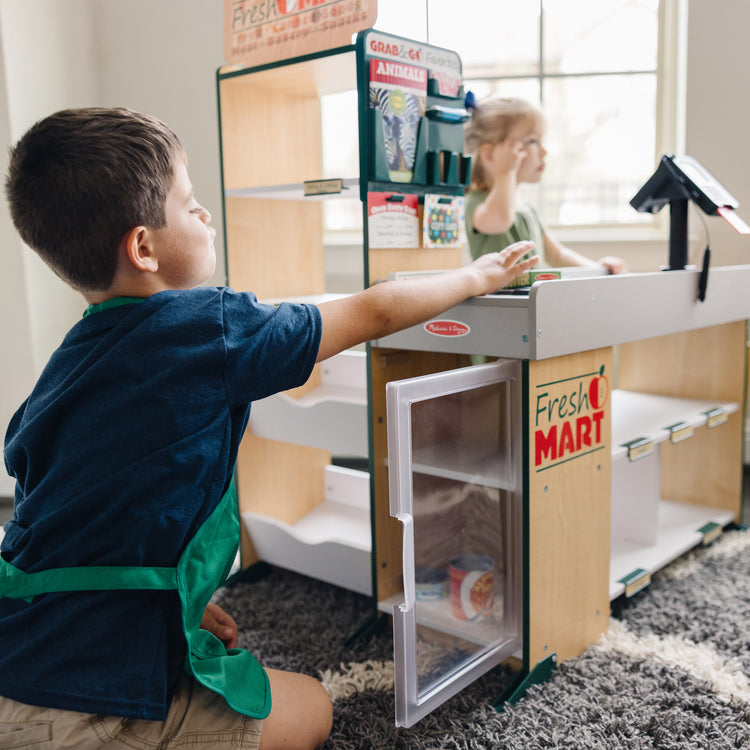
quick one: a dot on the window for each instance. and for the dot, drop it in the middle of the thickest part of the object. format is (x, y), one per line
(606, 73)
(594, 68)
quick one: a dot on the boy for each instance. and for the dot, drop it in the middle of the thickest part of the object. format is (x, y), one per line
(125, 520)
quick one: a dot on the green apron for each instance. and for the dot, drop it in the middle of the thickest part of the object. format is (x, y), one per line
(203, 566)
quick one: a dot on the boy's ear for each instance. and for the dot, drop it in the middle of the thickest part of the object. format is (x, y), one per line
(139, 251)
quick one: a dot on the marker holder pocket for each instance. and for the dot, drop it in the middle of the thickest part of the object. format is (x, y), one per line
(438, 157)
(379, 151)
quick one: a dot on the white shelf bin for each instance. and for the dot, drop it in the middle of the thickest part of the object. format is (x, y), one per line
(649, 532)
(333, 416)
(644, 415)
(332, 543)
(678, 532)
(635, 499)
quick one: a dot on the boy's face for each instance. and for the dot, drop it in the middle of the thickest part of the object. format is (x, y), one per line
(185, 246)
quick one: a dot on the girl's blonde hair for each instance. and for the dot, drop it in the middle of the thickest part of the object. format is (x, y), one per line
(491, 122)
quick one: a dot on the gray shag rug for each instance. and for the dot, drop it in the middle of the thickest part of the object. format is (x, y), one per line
(673, 670)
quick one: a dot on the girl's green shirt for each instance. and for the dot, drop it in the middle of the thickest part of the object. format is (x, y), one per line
(526, 226)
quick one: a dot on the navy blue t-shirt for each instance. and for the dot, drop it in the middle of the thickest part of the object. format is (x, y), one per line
(125, 446)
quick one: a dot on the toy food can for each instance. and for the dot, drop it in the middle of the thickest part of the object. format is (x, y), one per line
(431, 584)
(472, 581)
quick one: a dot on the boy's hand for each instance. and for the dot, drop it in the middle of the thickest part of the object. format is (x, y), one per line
(219, 623)
(497, 270)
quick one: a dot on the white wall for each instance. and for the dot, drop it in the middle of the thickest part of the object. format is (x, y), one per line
(15, 362)
(718, 111)
(160, 56)
(42, 76)
(43, 71)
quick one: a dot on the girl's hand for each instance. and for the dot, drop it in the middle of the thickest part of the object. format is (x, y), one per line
(507, 156)
(499, 269)
(502, 161)
(612, 264)
(219, 623)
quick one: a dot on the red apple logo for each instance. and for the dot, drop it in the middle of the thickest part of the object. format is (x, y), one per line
(599, 390)
(286, 6)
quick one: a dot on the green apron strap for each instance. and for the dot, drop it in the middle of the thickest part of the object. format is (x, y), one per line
(18, 584)
(205, 564)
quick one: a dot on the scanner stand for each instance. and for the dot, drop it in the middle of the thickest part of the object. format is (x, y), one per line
(676, 181)
(678, 234)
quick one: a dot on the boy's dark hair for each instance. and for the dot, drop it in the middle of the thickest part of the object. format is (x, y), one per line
(80, 179)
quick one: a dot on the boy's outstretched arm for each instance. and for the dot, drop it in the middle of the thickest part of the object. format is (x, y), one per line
(391, 306)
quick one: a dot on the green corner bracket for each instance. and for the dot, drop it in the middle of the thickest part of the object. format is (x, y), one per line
(541, 672)
(373, 625)
(710, 532)
(253, 573)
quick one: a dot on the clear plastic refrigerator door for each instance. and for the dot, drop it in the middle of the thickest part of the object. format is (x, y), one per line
(454, 457)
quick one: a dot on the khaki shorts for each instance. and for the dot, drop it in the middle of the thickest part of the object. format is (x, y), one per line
(197, 718)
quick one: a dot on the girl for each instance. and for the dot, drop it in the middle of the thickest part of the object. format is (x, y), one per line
(504, 137)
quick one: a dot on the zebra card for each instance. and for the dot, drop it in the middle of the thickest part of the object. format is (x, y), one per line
(399, 92)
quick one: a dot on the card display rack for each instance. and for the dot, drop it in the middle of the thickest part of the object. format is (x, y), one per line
(306, 448)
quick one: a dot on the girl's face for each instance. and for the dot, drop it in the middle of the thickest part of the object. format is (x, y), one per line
(532, 165)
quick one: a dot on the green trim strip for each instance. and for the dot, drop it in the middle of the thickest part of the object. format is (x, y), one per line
(567, 380)
(572, 458)
(526, 513)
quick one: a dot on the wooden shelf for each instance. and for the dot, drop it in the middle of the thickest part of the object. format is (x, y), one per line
(295, 192)
(312, 78)
(471, 463)
(484, 631)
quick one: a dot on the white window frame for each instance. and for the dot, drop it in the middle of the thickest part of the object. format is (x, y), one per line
(671, 77)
